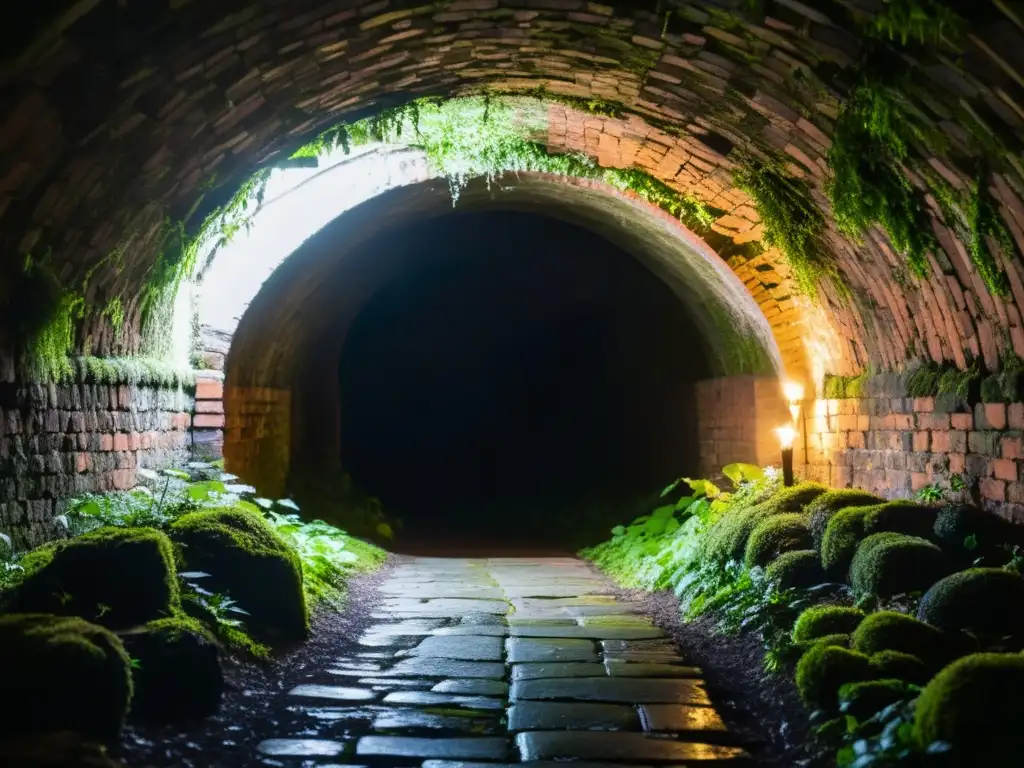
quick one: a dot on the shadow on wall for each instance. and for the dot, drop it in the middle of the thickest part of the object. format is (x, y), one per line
(523, 378)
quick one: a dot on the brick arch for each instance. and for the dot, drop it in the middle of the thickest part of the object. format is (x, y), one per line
(281, 373)
(121, 116)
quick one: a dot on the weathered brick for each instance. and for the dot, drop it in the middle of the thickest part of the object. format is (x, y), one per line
(992, 489)
(209, 389)
(1005, 469)
(922, 441)
(962, 421)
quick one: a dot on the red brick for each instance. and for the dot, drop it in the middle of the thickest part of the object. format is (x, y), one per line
(106, 442)
(903, 421)
(209, 389)
(855, 439)
(1015, 415)
(995, 415)
(83, 462)
(1015, 493)
(964, 421)
(918, 480)
(921, 442)
(1005, 469)
(992, 489)
(863, 423)
(940, 442)
(957, 463)
(120, 442)
(123, 479)
(924, 404)
(208, 421)
(1012, 448)
(209, 406)
(933, 421)
(134, 441)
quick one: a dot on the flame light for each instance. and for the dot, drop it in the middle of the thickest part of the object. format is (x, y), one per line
(786, 436)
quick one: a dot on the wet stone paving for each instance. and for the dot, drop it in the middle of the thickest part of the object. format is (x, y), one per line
(497, 661)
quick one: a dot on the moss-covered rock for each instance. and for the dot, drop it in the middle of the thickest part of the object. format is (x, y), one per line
(177, 674)
(62, 674)
(727, 538)
(824, 669)
(893, 631)
(863, 700)
(842, 535)
(117, 577)
(973, 704)
(822, 620)
(988, 601)
(888, 564)
(901, 517)
(959, 524)
(248, 561)
(825, 507)
(776, 535)
(900, 666)
(800, 568)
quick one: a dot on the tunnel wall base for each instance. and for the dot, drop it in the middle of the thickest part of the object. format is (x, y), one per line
(257, 438)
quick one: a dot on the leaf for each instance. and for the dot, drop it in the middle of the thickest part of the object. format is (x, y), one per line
(227, 477)
(239, 488)
(671, 487)
(176, 473)
(971, 542)
(265, 503)
(90, 508)
(703, 487)
(384, 530)
(147, 474)
(288, 504)
(619, 530)
(193, 575)
(662, 513)
(671, 526)
(740, 473)
(7, 540)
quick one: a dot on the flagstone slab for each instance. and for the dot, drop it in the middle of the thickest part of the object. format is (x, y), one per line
(444, 606)
(431, 699)
(681, 718)
(409, 719)
(593, 633)
(654, 652)
(469, 686)
(334, 692)
(555, 745)
(301, 748)
(529, 649)
(576, 715)
(618, 689)
(618, 668)
(490, 630)
(430, 667)
(486, 748)
(464, 648)
(557, 669)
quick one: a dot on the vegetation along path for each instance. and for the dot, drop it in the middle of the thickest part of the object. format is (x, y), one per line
(503, 660)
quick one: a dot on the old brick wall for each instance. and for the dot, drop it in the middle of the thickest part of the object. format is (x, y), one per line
(896, 445)
(59, 441)
(257, 440)
(736, 416)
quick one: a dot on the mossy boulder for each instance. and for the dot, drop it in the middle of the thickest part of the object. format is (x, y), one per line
(900, 666)
(824, 669)
(62, 674)
(822, 620)
(967, 532)
(116, 577)
(249, 562)
(863, 700)
(177, 674)
(888, 564)
(776, 535)
(894, 631)
(842, 535)
(800, 568)
(985, 601)
(727, 539)
(901, 517)
(825, 507)
(974, 705)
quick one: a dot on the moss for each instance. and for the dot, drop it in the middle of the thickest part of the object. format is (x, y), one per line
(888, 564)
(822, 620)
(776, 535)
(142, 371)
(798, 568)
(901, 517)
(926, 21)
(70, 675)
(893, 631)
(959, 525)
(177, 674)
(824, 669)
(973, 705)
(985, 601)
(117, 577)
(249, 562)
(727, 539)
(838, 640)
(866, 699)
(900, 666)
(842, 535)
(825, 507)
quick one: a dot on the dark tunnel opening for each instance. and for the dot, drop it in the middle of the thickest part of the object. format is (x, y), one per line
(522, 381)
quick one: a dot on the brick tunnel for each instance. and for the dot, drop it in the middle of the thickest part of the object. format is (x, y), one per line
(117, 154)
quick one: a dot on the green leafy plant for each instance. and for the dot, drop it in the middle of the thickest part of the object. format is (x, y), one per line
(926, 21)
(930, 494)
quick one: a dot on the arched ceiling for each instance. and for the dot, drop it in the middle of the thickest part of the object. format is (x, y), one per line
(123, 119)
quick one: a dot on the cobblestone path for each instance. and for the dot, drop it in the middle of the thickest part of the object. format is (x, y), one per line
(500, 661)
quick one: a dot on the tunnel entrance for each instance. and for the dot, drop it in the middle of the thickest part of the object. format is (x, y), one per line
(521, 381)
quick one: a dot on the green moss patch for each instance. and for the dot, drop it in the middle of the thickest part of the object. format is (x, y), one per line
(842, 535)
(117, 577)
(825, 507)
(176, 673)
(973, 705)
(985, 601)
(824, 669)
(249, 562)
(893, 631)
(823, 620)
(863, 700)
(63, 674)
(901, 517)
(888, 564)
(900, 666)
(796, 569)
(777, 534)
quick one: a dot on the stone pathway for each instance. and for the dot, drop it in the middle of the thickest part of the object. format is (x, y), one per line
(500, 661)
